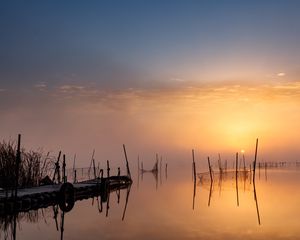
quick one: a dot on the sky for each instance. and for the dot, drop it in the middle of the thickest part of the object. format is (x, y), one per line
(162, 76)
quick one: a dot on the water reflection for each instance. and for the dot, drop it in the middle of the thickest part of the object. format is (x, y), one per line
(11, 223)
(156, 172)
(230, 181)
(166, 212)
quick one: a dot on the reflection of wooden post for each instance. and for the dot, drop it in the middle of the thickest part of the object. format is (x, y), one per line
(210, 171)
(210, 193)
(255, 158)
(194, 194)
(236, 178)
(126, 202)
(219, 163)
(256, 203)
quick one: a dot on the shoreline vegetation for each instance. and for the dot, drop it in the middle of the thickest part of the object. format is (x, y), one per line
(33, 166)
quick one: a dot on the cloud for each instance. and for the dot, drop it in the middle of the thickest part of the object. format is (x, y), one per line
(41, 86)
(178, 79)
(281, 74)
(71, 88)
(2, 90)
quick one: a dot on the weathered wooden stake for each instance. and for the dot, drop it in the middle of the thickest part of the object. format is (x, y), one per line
(166, 170)
(210, 171)
(127, 165)
(108, 169)
(64, 168)
(255, 158)
(57, 169)
(194, 165)
(94, 167)
(74, 170)
(236, 163)
(18, 161)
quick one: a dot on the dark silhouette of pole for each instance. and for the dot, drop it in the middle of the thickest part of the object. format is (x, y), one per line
(255, 158)
(210, 171)
(127, 165)
(18, 161)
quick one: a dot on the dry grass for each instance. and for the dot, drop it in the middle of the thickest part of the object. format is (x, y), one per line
(33, 167)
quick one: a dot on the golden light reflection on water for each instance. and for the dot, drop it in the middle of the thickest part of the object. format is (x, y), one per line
(165, 211)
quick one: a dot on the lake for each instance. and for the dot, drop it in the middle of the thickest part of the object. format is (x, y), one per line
(169, 206)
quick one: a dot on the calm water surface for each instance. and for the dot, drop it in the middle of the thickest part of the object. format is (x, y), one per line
(169, 207)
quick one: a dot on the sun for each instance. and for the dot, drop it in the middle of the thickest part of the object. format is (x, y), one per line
(243, 151)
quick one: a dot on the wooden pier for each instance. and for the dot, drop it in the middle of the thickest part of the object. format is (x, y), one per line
(65, 194)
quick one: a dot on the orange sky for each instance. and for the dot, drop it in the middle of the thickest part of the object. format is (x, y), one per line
(210, 118)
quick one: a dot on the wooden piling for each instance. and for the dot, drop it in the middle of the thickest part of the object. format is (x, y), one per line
(74, 170)
(194, 165)
(108, 169)
(18, 161)
(64, 168)
(236, 163)
(210, 170)
(166, 170)
(255, 158)
(94, 167)
(127, 165)
(57, 169)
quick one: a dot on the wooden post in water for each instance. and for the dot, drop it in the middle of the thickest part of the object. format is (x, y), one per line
(18, 161)
(64, 168)
(127, 165)
(166, 170)
(57, 170)
(94, 167)
(210, 171)
(108, 169)
(255, 158)
(74, 170)
(236, 164)
(101, 174)
(220, 164)
(236, 178)
(75, 176)
(194, 165)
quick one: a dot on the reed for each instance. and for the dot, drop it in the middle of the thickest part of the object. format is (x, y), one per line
(33, 166)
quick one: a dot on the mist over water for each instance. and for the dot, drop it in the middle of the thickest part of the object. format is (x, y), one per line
(170, 122)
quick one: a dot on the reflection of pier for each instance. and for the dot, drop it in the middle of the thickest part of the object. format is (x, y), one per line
(63, 194)
(62, 201)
